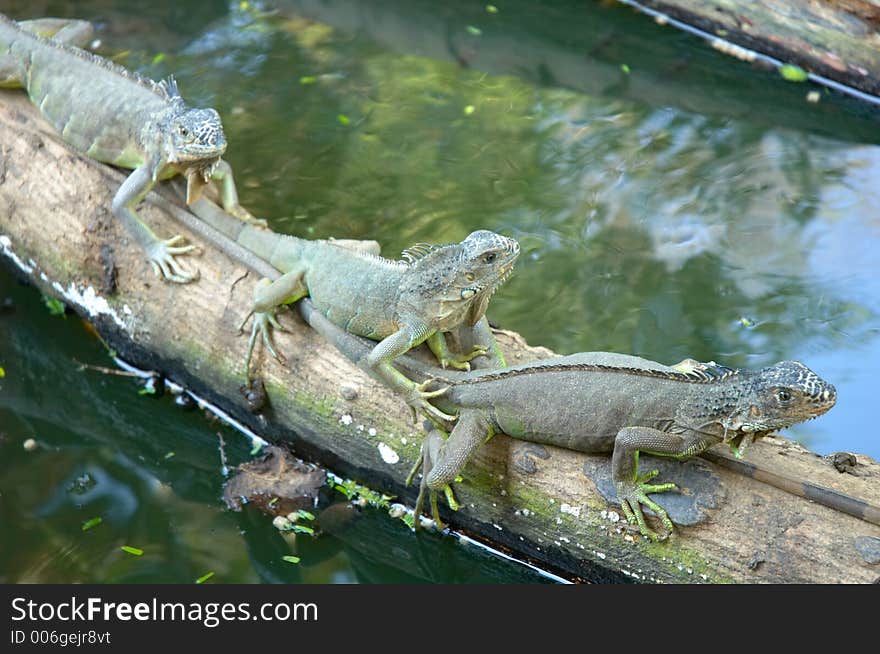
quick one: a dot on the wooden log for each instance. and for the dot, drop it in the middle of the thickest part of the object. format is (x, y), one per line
(540, 503)
(833, 38)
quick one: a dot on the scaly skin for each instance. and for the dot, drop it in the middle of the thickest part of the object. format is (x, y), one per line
(118, 117)
(435, 289)
(597, 402)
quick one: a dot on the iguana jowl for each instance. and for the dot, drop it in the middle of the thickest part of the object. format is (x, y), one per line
(118, 117)
(596, 402)
(434, 289)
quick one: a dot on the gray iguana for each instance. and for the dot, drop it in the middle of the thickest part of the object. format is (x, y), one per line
(597, 402)
(118, 117)
(434, 289)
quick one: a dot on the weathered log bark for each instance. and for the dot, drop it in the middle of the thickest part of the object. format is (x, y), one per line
(541, 503)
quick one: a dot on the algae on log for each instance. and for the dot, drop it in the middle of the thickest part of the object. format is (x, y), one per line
(545, 504)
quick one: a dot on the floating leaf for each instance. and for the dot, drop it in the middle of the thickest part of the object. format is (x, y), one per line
(302, 529)
(169, 455)
(793, 73)
(492, 9)
(204, 578)
(476, 31)
(409, 519)
(291, 559)
(307, 79)
(343, 119)
(2, 372)
(93, 522)
(305, 515)
(625, 69)
(158, 58)
(468, 110)
(256, 448)
(55, 306)
(134, 551)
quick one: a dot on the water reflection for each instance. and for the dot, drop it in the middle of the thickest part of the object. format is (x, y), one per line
(687, 207)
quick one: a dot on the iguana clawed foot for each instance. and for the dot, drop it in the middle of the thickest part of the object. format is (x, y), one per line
(417, 399)
(462, 361)
(246, 216)
(263, 322)
(635, 493)
(161, 256)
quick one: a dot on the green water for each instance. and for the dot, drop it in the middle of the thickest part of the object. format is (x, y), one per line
(670, 202)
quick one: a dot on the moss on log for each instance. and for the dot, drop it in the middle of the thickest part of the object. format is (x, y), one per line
(540, 503)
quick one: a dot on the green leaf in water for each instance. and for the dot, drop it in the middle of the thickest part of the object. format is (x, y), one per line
(476, 31)
(158, 58)
(793, 73)
(2, 372)
(305, 515)
(204, 578)
(134, 551)
(492, 9)
(93, 522)
(343, 119)
(468, 110)
(291, 559)
(256, 448)
(169, 455)
(55, 306)
(302, 529)
(625, 69)
(307, 79)
(409, 519)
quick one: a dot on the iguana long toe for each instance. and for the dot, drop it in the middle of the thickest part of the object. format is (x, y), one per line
(632, 495)
(161, 257)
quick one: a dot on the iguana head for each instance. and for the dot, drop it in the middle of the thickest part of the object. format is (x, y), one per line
(455, 282)
(196, 135)
(778, 397)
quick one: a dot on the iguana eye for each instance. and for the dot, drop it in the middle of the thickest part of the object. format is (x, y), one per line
(490, 257)
(183, 130)
(783, 395)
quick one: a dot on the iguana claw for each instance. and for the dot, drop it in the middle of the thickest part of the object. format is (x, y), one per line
(417, 400)
(161, 257)
(462, 361)
(262, 323)
(635, 493)
(246, 216)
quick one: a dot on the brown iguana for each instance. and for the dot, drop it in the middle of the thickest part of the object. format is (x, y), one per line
(596, 402)
(118, 117)
(434, 289)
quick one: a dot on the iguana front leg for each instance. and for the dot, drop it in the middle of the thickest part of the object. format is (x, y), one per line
(268, 296)
(632, 488)
(378, 363)
(222, 174)
(446, 357)
(160, 253)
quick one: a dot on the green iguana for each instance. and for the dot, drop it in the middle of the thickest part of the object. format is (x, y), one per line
(434, 289)
(118, 117)
(597, 402)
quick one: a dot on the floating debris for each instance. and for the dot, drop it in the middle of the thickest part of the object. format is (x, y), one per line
(29, 445)
(793, 73)
(134, 551)
(92, 522)
(204, 578)
(277, 482)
